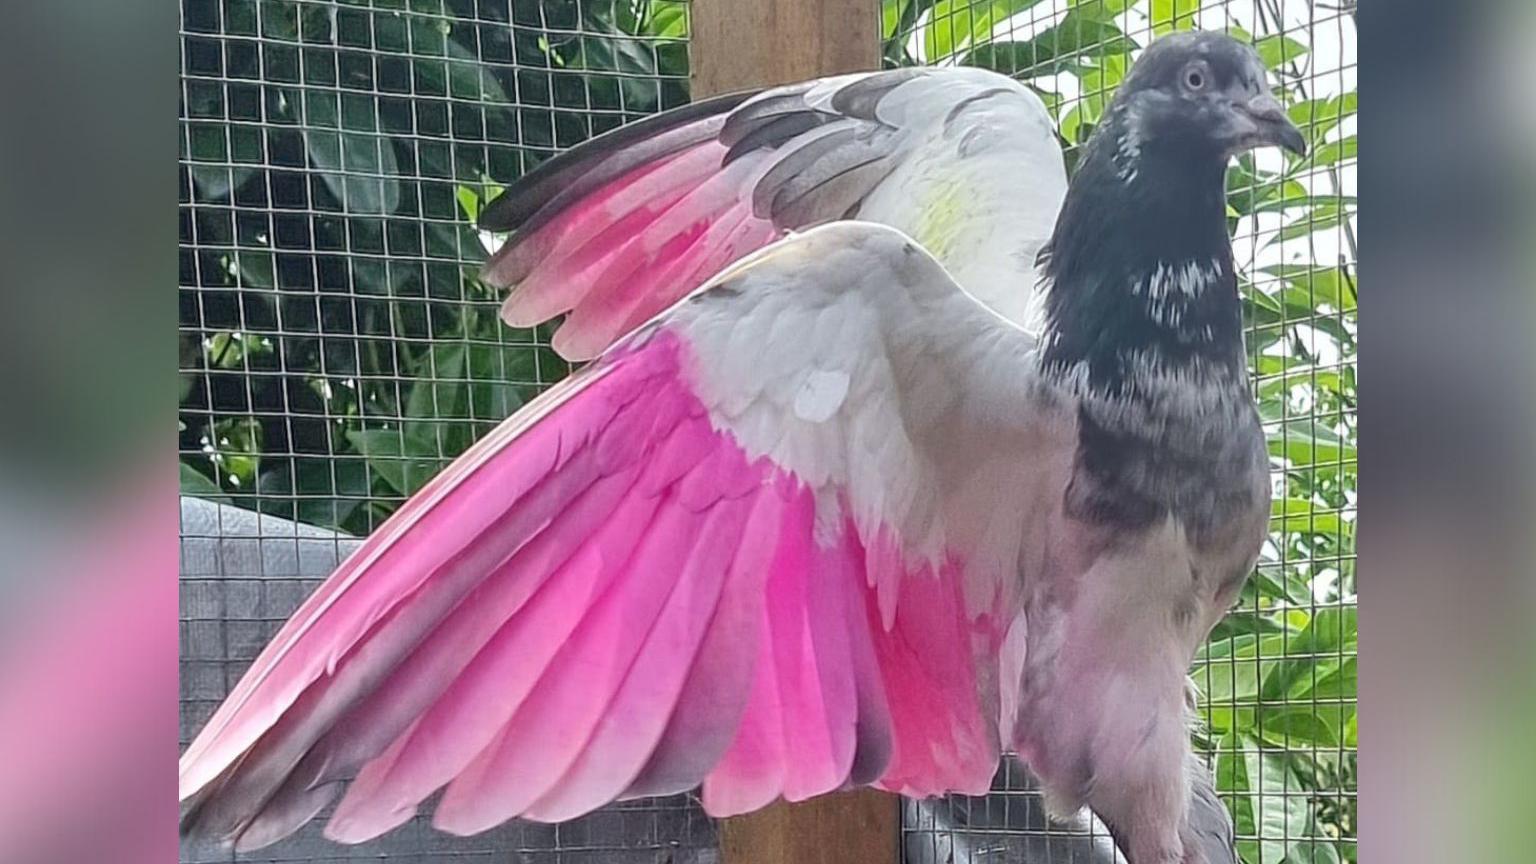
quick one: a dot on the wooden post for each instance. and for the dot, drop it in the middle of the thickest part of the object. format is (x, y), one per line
(862, 827)
(739, 45)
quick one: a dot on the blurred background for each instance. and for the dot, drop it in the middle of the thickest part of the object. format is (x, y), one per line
(336, 347)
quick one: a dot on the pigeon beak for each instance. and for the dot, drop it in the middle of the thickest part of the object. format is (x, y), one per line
(1274, 125)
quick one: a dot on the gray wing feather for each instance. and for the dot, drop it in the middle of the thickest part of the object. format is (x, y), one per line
(861, 98)
(799, 190)
(557, 183)
(785, 159)
(775, 132)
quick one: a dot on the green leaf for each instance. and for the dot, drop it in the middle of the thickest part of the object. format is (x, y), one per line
(1100, 10)
(1283, 813)
(1055, 49)
(1305, 443)
(1301, 726)
(217, 181)
(1170, 15)
(890, 17)
(1265, 584)
(954, 25)
(1322, 218)
(235, 445)
(1233, 778)
(229, 350)
(198, 485)
(1332, 287)
(404, 473)
(1247, 621)
(1297, 516)
(1098, 88)
(1291, 197)
(899, 29)
(319, 490)
(1267, 799)
(1334, 152)
(469, 202)
(1334, 680)
(1051, 99)
(438, 392)
(1313, 654)
(1243, 644)
(1318, 117)
(1234, 678)
(491, 368)
(468, 78)
(358, 167)
(1276, 50)
(665, 19)
(1309, 851)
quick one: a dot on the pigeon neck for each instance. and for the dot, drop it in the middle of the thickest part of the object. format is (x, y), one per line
(1139, 271)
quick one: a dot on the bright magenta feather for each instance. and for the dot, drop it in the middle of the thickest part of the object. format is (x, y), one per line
(604, 600)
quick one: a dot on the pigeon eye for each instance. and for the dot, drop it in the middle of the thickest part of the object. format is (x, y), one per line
(1194, 78)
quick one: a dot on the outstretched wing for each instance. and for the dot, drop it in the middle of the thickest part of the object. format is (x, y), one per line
(614, 231)
(768, 543)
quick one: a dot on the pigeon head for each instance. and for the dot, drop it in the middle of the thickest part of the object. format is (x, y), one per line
(1200, 96)
(1140, 263)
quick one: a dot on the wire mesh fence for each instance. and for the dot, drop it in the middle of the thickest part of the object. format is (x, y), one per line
(337, 348)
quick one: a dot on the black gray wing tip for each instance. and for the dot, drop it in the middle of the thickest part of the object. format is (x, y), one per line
(539, 187)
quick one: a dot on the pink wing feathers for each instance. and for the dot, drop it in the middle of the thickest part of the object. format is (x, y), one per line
(619, 228)
(718, 555)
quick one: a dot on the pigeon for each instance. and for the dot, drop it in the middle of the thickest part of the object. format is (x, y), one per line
(896, 452)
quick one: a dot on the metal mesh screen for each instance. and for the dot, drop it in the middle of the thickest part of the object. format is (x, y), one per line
(1277, 678)
(336, 347)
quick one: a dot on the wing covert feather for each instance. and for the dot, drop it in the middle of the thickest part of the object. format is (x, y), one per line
(620, 227)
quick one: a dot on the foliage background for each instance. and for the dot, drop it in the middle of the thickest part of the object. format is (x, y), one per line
(1278, 678)
(337, 348)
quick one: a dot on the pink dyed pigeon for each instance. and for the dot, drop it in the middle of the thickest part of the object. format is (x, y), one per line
(858, 505)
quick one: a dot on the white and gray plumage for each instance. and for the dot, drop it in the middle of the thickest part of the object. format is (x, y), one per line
(969, 465)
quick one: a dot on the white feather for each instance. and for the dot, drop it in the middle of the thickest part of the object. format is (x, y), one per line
(853, 361)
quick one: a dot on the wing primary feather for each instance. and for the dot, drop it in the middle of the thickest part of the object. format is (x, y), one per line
(767, 106)
(447, 738)
(862, 96)
(535, 748)
(554, 183)
(708, 712)
(365, 667)
(632, 723)
(829, 198)
(418, 681)
(776, 132)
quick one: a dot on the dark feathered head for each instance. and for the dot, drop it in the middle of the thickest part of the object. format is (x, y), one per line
(1148, 203)
(1198, 95)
